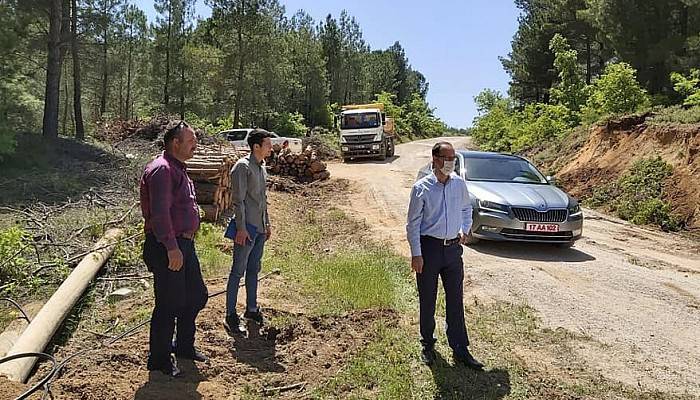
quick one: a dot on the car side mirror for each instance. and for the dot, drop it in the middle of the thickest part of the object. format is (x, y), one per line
(552, 180)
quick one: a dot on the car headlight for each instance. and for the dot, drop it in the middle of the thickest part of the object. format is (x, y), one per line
(342, 139)
(491, 206)
(378, 137)
(574, 208)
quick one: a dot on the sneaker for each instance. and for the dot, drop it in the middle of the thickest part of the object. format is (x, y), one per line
(254, 316)
(232, 324)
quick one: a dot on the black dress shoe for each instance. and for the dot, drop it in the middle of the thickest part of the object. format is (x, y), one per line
(196, 356)
(232, 324)
(170, 368)
(428, 356)
(468, 360)
(254, 316)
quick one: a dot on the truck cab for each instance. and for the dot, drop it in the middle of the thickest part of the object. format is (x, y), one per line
(365, 132)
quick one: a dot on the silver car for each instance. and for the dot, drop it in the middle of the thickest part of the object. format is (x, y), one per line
(513, 201)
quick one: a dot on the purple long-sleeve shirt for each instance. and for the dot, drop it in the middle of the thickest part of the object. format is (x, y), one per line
(168, 201)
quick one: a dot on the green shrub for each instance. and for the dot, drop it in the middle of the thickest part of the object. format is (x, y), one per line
(539, 124)
(13, 265)
(687, 86)
(289, 124)
(637, 196)
(617, 91)
(677, 114)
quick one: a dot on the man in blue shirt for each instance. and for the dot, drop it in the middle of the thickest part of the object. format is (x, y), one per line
(439, 218)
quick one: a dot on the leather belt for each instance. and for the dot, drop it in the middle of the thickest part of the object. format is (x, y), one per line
(187, 235)
(444, 242)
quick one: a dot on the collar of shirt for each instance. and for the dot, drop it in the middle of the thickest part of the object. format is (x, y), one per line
(435, 179)
(171, 159)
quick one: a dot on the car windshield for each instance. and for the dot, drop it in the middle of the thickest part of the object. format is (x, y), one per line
(235, 135)
(360, 120)
(502, 170)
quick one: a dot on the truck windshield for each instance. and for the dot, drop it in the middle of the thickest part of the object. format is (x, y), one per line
(360, 120)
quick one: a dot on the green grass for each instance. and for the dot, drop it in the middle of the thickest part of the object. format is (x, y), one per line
(213, 260)
(357, 276)
(676, 115)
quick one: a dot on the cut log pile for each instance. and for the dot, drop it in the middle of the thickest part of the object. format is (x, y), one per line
(210, 170)
(305, 167)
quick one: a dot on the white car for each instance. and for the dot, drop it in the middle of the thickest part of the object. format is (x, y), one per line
(239, 138)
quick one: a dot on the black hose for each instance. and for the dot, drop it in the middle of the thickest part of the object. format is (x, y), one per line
(24, 314)
(43, 380)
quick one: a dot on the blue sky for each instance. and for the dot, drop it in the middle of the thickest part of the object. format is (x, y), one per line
(454, 43)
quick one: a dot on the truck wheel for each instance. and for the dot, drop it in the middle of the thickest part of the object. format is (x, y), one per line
(346, 160)
(390, 148)
(382, 153)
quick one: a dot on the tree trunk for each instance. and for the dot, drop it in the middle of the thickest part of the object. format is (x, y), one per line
(166, 95)
(53, 71)
(77, 95)
(128, 81)
(64, 120)
(105, 75)
(239, 82)
(588, 60)
(182, 89)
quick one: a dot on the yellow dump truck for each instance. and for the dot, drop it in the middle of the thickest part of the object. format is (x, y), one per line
(366, 132)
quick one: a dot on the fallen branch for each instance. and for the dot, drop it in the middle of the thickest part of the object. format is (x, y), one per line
(126, 278)
(105, 333)
(12, 257)
(83, 254)
(284, 388)
(26, 214)
(42, 328)
(123, 217)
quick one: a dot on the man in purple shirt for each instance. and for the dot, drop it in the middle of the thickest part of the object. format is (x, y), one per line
(171, 217)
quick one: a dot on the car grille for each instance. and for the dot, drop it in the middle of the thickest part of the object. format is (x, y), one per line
(359, 138)
(532, 215)
(521, 234)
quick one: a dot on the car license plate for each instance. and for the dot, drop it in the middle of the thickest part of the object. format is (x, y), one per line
(542, 227)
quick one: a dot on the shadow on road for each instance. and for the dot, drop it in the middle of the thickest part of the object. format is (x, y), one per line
(388, 160)
(531, 251)
(459, 382)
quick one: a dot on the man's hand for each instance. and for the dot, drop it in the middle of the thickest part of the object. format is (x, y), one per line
(463, 238)
(417, 264)
(268, 232)
(242, 238)
(174, 259)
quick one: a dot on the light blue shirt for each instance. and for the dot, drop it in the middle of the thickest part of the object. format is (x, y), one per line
(438, 210)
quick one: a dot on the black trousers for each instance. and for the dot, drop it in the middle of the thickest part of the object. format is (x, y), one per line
(444, 262)
(179, 296)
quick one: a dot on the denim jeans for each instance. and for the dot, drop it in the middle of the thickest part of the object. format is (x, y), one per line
(246, 261)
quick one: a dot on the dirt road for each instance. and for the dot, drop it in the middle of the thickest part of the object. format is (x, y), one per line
(633, 292)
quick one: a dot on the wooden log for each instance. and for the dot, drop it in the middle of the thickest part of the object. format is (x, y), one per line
(318, 166)
(46, 323)
(203, 171)
(14, 330)
(322, 175)
(211, 212)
